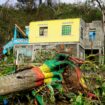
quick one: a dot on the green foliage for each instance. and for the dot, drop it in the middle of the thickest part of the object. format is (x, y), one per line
(90, 63)
(7, 65)
(45, 13)
(79, 100)
(81, 10)
(102, 67)
(41, 55)
(103, 87)
(89, 66)
(8, 18)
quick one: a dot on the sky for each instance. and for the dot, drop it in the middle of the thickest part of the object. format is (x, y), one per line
(14, 1)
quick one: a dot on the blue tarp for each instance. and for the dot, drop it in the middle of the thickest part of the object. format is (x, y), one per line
(92, 35)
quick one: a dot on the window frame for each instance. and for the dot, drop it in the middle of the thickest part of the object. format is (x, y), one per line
(92, 31)
(43, 28)
(66, 29)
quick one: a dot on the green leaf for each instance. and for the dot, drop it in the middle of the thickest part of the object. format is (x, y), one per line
(79, 100)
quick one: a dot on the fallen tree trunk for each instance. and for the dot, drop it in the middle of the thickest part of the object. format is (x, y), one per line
(17, 82)
(27, 79)
(51, 71)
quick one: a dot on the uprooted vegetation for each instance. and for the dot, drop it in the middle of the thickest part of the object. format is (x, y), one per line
(64, 90)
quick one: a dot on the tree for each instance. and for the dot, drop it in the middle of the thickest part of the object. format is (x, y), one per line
(48, 2)
(40, 2)
(27, 4)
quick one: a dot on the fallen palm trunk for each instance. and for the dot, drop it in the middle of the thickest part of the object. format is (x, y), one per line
(30, 78)
(25, 80)
(49, 73)
(17, 82)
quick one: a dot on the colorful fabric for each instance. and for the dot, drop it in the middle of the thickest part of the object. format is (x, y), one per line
(43, 75)
(51, 72)
(50, 75)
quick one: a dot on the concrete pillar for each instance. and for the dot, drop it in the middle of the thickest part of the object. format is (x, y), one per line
(17, 57)
(78, 50)
(100, 57)
(33, 53)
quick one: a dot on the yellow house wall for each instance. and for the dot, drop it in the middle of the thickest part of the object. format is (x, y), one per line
(54, 31)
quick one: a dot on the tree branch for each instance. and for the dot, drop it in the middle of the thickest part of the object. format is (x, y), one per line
(99, 3)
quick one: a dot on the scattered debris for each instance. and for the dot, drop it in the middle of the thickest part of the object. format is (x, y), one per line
(55, 81)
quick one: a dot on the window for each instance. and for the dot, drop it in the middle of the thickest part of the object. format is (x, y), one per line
(92, 35)
(66, 30)
(43, 31)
